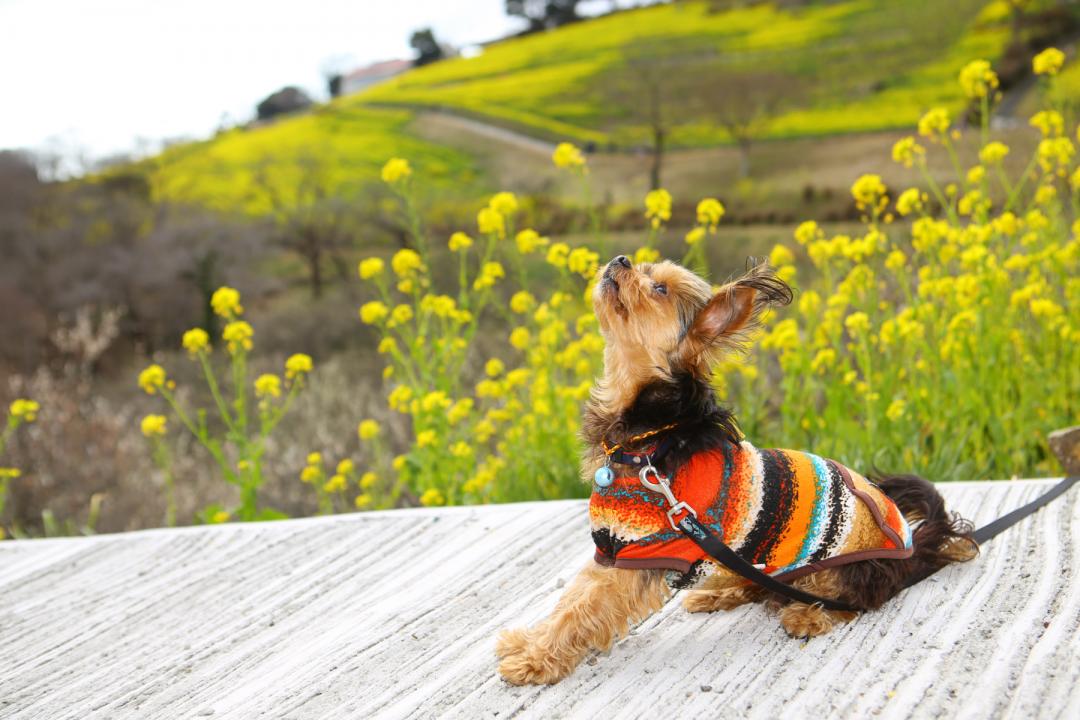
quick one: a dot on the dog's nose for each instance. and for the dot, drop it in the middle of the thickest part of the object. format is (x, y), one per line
(622, 260)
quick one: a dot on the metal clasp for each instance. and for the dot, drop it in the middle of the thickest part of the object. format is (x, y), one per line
(662, 485)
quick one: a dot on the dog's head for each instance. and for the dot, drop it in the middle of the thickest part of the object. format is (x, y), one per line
(660, 319)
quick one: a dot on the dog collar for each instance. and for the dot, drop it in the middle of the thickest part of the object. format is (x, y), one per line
(618, 454)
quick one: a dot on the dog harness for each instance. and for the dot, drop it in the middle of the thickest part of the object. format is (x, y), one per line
(789, 513)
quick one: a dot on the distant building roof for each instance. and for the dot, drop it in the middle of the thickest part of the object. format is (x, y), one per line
(376, 72)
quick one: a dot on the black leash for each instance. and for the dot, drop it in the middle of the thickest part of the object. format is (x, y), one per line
(707, 541)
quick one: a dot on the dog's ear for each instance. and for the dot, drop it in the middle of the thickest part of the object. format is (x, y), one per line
(723, 324)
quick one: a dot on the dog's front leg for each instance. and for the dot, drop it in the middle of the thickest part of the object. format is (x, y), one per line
(597, 608)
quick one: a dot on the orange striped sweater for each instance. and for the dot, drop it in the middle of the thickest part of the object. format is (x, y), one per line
(789, 512)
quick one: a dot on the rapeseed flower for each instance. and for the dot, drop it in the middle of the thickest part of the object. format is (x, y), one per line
(557, 254)
(906, 151)
(504, 203)
(1049, 123)
(298, 365)
(371, 267)
(494, 367)
(646, 255)
(568, 156)
(695, 236)
(1048, 62)
(491, 272)
(519, 338)
(373, 312)
(237, 336)
(993, 153)
(406, 263)
(934, 124)
(368, 429)
(25, 410)
(522, 302)
(153, 426)
(529, 241)
(658, 207)
(459, 241)
(582, 261)
(195, 341)
(978, 79)
(153, 379)
(226, 302)
(869, 191)
(709, 213)
(268, 386)
(432, 498)
(491, 222)
(395, 170)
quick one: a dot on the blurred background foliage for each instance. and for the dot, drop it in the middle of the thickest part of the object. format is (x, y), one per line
(772, 107)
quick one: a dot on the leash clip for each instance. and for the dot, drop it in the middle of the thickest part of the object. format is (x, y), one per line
(662, 485)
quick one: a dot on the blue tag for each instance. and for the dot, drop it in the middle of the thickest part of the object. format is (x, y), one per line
(604, 476)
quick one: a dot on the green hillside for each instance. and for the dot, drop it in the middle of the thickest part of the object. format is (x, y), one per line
(866, 64)
(862, 65)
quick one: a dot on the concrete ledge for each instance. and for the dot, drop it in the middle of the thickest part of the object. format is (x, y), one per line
(395, 614)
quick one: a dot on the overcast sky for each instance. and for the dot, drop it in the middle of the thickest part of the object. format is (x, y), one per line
(103, 75)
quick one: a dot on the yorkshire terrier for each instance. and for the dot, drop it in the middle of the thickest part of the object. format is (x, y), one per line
(800, 518)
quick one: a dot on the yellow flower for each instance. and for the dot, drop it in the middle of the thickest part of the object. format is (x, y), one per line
(519, 338)
(268, 386)
(10, 474)
(406, 263)
(345, 467)
(857, 323)
(896, 260)
(709, 212)
(781, 256)
(151, 379)
(906, 151)
(402, 314)
(435, 400)
(868, 190)
(368, 480)
(567, 156)
(371, 267)
(399, 398)
(934, 124)
(976, 174)
(220, 516)
(1055, 152)
(1045, 194)
(298, 365)
(909, 201)
(491, 272)
(522, 302)
(809, 303)
(461, 449)
(582, 261)
(336, 483)
(494, 367)
(658, 206)
(646, 255)
(806, 232)
(459, 241)
(226, 302)
(491, 222)
(993, 153)
(153, 426)
(195, 341)
(362, 501)
(426, 438)
(557, 253)
(399, 462)
(395, 170)
(237, 336)
(977, 79)
(823, 360)
(432, 497)
(1049, 123)
(896, 409)
(695, 236)
(529, 241)
(1048, 62)
(25, 410)
(310, 474)
(368, 429)
(504, 203)
(314, 458)
(373, 312)
(459, 411)
(387, 345)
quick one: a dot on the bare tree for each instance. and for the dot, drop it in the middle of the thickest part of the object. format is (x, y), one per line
(313, 218)
(744, 103)
(643, 91)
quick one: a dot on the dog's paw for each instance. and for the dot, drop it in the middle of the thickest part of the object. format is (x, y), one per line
(807, 621)
(523, 662)
(701, 601)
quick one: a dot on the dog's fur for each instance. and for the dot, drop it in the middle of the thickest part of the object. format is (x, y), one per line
(664, 330)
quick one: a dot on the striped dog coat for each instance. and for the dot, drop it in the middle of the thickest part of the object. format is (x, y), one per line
(791, 513)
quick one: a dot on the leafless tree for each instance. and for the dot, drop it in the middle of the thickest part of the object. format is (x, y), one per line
(744, 103)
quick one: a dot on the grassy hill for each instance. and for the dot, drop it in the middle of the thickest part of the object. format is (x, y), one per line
(867, 65)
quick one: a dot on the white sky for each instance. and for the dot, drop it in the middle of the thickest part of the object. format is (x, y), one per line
(108, 76)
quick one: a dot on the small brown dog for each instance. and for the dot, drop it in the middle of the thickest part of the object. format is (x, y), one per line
(800, 518)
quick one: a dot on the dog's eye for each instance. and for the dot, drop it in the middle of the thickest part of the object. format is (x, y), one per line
(661, 288)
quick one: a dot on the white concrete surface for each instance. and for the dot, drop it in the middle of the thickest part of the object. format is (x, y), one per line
(394, 614)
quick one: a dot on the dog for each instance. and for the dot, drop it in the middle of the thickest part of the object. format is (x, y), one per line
(802, 519)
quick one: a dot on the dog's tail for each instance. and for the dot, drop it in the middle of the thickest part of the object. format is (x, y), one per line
(939, 538)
